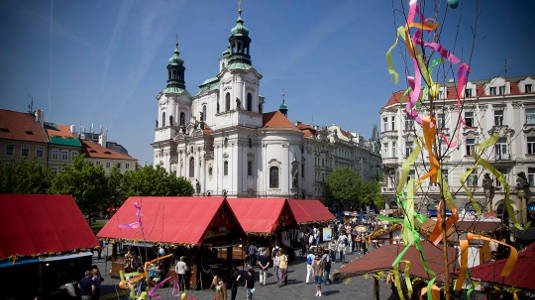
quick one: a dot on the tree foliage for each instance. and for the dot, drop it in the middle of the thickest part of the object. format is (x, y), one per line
(150, 181)
(345, 187)
(86, 182)
(26, 176)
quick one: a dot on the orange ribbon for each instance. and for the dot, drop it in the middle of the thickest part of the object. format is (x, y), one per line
(513, 254)
(429, 130)
(464, 265)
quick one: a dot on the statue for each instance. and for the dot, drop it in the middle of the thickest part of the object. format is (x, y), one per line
(488, 188)
(197, 187)
(295, 175)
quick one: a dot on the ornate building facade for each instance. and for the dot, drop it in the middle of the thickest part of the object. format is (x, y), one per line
(223, 141)
(502, 105)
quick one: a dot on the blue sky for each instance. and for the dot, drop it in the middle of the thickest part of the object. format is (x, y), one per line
(103, 62)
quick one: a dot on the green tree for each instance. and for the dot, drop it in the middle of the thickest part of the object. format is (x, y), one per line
(150, 181)
(86, 182)
(116, 195)
(344, 186)
(26, 176)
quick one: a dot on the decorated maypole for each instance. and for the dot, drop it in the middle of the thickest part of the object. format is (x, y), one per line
(421, 36)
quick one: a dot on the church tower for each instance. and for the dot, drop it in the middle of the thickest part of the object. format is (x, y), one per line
(174, 103)
(239, 102)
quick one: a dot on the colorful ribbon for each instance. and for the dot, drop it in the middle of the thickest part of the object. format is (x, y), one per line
(137, 223)
(513, 254)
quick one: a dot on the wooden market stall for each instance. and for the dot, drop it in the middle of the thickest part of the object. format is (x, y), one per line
(45, 242)
(186, 226)
(265, 221)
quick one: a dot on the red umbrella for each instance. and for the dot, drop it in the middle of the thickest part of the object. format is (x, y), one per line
(382, 258)
(522, 276)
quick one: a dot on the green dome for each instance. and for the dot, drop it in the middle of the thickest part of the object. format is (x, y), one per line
(239, 29)
(175, 59)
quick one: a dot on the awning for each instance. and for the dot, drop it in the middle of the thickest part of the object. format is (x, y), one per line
(521, 276)
(174, 220)
(381, 259)
(41, 224)
(309, 211)
(262, 215)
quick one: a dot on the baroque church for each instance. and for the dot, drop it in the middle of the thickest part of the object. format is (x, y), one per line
(222, 140)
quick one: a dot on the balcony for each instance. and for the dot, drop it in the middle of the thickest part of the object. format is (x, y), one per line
(390, 161)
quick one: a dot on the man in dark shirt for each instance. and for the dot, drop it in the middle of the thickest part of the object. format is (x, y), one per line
(249, 283)
(263, 264)
(87, 286)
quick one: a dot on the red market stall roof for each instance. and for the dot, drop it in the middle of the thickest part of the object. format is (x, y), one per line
(382, 258)
(309, 211)
(174, 220)
(521, 276)
(38, 224)
(262, 215)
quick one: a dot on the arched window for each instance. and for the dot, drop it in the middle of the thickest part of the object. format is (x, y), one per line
(249, 102)
(250, 143)
(274, 177)
(171, 121)
(259, 108)
(225, 142)
(191, 167)
(182, 119)
(227, 102)
(163, 119)
(204, 113)
(225, 168)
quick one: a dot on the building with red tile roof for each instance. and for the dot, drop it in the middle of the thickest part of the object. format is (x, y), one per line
(64, 145)
(22, 136)
(107, 158)
(499, 105)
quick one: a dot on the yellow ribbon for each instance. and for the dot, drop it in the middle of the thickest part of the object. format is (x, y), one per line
(464, 265)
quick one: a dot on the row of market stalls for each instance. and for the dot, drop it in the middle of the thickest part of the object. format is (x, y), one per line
(211, 232)
(45, 242)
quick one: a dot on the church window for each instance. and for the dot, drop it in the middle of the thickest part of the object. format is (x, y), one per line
(249, 168)
(225, 168)
(191, 167)
(225, 142)
(249, 102)
(259, 108)
(227, 102)
(163, 119)
(203, 113)
(302, 170)
(274, 177)
(170, 120)
(182, 119)
(173, 74)
(250, 143)
(210, 171)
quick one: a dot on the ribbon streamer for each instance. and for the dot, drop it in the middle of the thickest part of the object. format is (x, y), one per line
(513, 254)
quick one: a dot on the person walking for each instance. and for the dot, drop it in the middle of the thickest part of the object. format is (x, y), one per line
(326, 259)
(317, 269)
(276, 261)
(263, 264)
(86, 286)
(283, 268)
(180, 269)
(342, 244)
(249, 284)
(236, 280)
(310, 260)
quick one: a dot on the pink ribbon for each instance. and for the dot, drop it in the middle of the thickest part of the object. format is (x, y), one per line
(137, 223)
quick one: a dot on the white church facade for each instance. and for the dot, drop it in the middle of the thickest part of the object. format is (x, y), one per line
(222, 140)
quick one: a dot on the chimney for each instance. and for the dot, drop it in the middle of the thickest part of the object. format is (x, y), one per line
(102, 139)
(39, 116)
(72, 128)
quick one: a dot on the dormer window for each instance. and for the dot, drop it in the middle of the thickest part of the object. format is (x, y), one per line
(501, 90)
(468, 93)
(527, 88)
(492, 91)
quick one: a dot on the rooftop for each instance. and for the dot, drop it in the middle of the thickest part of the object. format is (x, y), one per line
(94, 150)
(21, 126)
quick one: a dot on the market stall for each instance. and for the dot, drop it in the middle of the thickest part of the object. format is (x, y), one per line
(45, 242)
(185, 226)
(265, 220)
